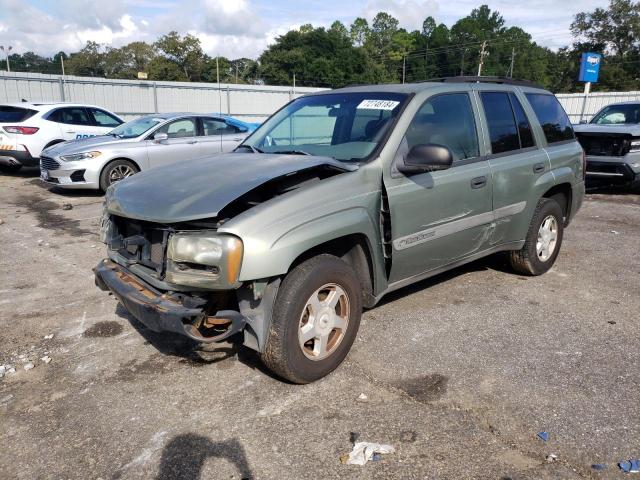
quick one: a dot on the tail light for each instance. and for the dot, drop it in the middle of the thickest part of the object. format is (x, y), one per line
(584, 165)
(21, 130)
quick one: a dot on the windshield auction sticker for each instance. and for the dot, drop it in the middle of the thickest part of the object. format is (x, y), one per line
(378, 104)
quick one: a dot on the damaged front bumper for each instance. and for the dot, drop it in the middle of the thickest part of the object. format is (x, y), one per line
(163, 312)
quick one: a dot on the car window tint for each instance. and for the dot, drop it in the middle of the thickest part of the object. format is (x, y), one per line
(503, 133)
(185, 127)
(552, 117)
(104, 119)
(70, 116)
(215, 126)
(446, 120)
(15, 114)
(524, 127)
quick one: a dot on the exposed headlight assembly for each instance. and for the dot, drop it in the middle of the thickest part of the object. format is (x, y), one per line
(204, 260)
(74, 157)
(634, 146)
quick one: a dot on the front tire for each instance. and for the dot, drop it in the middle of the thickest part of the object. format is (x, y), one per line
(10, 168)
(543, 240)
(115, 171)
(315, 320)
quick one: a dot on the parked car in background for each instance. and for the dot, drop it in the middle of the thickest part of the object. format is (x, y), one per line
(611, 141)
(377, 187)
(143, 143)
(28, 128)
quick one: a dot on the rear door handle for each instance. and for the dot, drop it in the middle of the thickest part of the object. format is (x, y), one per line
(538, 168)
(478, 182)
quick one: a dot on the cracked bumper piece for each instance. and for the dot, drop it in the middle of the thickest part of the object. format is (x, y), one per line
(161, 312)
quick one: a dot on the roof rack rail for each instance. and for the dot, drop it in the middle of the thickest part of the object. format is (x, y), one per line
(473, 79)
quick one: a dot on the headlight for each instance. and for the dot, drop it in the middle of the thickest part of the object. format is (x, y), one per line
(74, 157)
(204, 260)
(635, 145)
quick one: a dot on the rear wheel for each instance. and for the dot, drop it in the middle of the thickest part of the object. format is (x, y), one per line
(543, 240)
(10, 168)
(315, 320)
(116, 171)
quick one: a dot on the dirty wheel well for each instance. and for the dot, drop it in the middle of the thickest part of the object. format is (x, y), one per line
(354, 250)
(562, 194)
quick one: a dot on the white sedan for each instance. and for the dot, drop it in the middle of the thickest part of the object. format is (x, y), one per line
(28, 128)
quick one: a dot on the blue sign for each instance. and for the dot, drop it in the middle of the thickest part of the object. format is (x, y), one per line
(590, 67)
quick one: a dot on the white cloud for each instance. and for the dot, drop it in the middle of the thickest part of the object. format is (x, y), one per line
(410, 13)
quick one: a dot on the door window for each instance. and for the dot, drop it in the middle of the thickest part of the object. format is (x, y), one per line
(70, 116)
(185, 127)
(503, 132)
(104, 119)
(552, 117)
(215, 126)
(524, 127)
(446, 120)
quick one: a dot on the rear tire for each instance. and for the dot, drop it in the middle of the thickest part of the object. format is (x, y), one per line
(543, 240)
(10, 168)
(115, 171)
(304, 308)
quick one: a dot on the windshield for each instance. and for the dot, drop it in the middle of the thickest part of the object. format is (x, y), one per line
(136, 127)
(344, 126)
(618, 114)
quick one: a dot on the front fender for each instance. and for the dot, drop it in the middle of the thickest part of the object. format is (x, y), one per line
(263, 260)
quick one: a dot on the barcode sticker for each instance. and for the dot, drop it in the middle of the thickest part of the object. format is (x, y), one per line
(378, 104)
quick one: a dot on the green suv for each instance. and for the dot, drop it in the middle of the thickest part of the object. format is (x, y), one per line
(339, 198)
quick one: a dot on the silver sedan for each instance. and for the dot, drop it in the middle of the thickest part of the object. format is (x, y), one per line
(147, 142)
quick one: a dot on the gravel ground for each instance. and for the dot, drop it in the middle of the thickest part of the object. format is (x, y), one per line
(460, 372)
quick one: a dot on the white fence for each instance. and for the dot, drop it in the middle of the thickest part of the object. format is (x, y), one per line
(582, 107)
(132, 98)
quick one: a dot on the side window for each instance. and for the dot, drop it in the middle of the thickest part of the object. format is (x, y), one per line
(104, 119)
(214, 126)
(185, 127)
(552, 117)
(446, 120)
(501, 122)
(70, 116)
(524, 127)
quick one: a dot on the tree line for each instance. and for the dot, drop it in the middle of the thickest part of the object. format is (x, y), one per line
(379, 52)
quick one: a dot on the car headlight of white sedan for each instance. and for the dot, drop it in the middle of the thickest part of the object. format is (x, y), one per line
(203, 259)
(74, 157)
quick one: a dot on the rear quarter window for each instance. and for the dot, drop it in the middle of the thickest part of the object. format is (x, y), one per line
(15, 114)
(552, 117)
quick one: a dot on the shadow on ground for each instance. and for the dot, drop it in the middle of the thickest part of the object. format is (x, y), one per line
(184, 457)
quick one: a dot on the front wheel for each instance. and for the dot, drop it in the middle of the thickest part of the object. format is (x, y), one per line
(10, 168)
(543, 240)
(315, 320)
(116, 171)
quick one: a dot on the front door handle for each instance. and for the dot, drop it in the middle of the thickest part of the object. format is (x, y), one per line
(191, 142)
(478, 182)
(538, 168)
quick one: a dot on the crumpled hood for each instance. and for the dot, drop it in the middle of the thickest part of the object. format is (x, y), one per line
(631, 128)
(85, 145)
(200, 188)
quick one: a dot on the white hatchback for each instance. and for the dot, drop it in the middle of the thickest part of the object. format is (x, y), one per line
(28, 128)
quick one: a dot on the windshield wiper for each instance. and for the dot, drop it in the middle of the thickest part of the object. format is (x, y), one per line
(250, 147)
(292, 152)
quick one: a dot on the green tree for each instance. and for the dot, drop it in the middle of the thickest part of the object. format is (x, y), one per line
(359, 31)
(185, 52)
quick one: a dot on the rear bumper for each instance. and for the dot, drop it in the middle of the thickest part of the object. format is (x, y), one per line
(16, 157)
(162, 312)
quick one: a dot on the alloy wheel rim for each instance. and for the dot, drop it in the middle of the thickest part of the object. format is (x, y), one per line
(323, 322)
(120, 172)
(547, 238)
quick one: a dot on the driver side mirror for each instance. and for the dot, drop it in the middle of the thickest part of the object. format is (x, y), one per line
(426, 158)
(160, 137)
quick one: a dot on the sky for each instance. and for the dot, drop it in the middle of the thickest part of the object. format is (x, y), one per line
(244, 28)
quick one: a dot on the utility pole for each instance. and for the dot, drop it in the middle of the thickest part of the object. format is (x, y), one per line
(6, 52)
(236, 72)
(294, 83)
(483, 52)
(426, 63)
(62, 63)
(462, 62)
(513, 56)
(404, 67)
